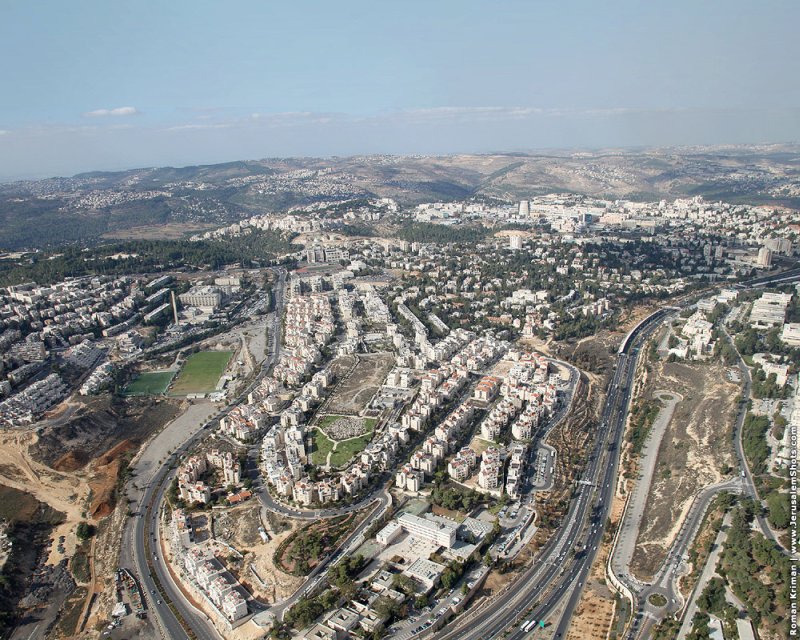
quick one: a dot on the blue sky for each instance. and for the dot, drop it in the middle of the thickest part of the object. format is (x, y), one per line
(108, 85)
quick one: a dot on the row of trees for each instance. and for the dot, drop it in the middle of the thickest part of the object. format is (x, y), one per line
(643, 414)
(754, 442)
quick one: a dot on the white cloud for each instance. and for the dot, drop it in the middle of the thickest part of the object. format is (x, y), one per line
(4, 132)
(118, 111)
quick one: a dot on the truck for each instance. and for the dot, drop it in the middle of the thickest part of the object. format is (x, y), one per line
(528, 626)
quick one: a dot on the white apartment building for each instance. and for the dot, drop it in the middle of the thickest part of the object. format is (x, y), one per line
(791, 334)
(770, 309)
(209, 298)
(431, 528)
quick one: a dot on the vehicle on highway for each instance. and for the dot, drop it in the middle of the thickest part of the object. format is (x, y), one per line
(527, 626)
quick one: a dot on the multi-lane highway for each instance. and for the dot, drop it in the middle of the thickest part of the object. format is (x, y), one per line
(566, 559)
(564, 562)
(141, 546)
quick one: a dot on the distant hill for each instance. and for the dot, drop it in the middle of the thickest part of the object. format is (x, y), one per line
(152, 202)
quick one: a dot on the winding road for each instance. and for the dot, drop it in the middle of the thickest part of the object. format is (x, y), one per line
(153, 472)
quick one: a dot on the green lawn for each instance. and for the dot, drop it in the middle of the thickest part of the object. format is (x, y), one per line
(201, 373)
(152, 383)
(346, 449)
(322, 446)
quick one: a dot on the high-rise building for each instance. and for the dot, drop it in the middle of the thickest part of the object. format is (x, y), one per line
(524, 208)
(515, 241)
(764, 257)
(779, 245)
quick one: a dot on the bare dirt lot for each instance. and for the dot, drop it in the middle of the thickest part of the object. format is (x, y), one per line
(257, 571)
(172, 231)
(596, 353)
(72, 463)
(100, 424)
(696, 445)
(595, 613)
(356, 389)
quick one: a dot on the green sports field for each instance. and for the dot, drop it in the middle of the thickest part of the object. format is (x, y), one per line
(152, 383)
(201, 373)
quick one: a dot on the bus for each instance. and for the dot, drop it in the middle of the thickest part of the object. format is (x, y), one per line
(528, 626)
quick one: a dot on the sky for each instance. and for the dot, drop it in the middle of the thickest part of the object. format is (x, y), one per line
(98, 85)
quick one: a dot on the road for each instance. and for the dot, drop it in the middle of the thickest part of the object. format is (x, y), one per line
(566, 559)
(269, 503)
(381, 503)
(625, 544)
(406, 631)
(747, 478)
(665, 582)
(152, 480)
(708, 572)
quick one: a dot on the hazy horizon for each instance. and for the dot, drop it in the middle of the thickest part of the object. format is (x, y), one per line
(553, 152)
(113, 87)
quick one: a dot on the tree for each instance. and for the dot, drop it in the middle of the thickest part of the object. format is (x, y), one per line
(84, 531)
(700, 628)
(713, 597)
(403, 583)
(386, 607)
(778, 510)
(304, 612)
(328, 598)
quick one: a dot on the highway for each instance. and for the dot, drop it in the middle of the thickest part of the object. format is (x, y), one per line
(141, 532)
(566, 559)
(665, 581)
